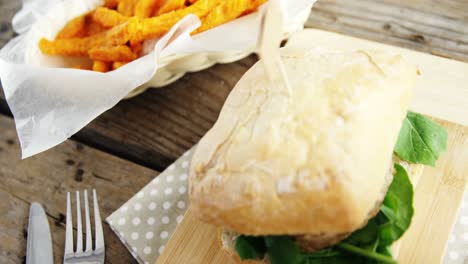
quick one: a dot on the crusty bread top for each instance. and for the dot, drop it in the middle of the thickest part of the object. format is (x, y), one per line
(310, 162)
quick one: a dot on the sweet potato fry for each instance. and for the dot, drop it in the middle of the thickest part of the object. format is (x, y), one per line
(200, 9)
(127, 7)
(101, 66)
(146, 8)
(111, 3)
(157, 26)
(81, 67)
(171, 5)
(147, 28)
(108, 17)
(116, 36)
(80, 27)
(255, 5)
(93, 28)
(119, 53)
(138, 29)
(74, 29)
(137, 47)
(227, 11)
(118, 64)
(65, 47)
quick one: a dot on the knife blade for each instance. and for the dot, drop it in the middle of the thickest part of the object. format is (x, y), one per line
(39, 245)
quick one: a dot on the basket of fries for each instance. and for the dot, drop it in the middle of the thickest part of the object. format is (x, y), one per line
(75, 59)
(111, 34)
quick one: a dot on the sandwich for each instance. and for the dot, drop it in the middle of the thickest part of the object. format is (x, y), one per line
(323, 173)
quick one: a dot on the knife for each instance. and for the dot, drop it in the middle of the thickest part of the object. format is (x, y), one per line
(39, 247)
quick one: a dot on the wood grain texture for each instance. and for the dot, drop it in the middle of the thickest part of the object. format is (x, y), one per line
(156, 127)
(437, 201)
(8, 9)
(47, 177)
(437, 27)
(181, 248)
(438, 197)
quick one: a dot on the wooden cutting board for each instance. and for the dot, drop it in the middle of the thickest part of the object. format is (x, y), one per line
(440, 190)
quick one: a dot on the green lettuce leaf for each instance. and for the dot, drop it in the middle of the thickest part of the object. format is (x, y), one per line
(397, 208)
(249, 247)
(370, 255)
(339, 259)
(282, 249)
(365, 237)
(325, 253)
(332, 256)
(421, 140)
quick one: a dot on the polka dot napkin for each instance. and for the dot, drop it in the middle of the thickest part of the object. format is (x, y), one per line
(457, 248)
(146, 222)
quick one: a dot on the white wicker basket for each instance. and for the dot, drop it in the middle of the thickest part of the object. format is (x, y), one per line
(174, 67)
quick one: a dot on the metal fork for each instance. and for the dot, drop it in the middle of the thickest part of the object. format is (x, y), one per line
(88, 255)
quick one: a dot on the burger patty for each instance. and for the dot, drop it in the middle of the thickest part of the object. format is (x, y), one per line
(316, 242)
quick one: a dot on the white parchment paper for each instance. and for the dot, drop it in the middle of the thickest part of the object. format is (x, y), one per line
(51, 103)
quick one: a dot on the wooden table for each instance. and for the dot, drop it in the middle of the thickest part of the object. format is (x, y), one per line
(126, 147)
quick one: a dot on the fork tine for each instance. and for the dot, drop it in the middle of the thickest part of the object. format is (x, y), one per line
(68, 230)
(98, 226)
(79, 229)
(89, 235)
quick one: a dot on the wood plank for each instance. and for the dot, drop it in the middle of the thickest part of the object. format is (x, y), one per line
(450, 9)
(438, 197)
(158, 126)
(437, 27)
(8, 10)
(47, 177)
